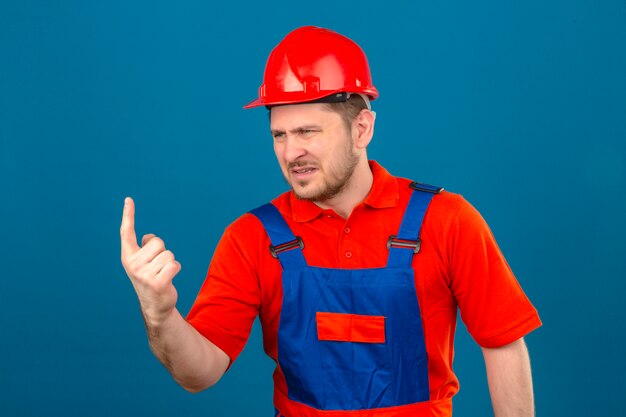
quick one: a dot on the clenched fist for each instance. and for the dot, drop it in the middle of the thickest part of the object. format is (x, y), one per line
(151, 269)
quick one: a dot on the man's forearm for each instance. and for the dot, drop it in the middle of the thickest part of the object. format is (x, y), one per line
(194, 362)
(510, 380)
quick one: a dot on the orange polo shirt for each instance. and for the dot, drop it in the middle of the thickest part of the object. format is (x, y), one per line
(459, 266)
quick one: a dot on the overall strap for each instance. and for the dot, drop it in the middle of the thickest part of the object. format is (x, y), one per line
(407, 243)
(286, 247)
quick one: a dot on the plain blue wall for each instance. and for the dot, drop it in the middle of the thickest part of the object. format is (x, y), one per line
(521, 107)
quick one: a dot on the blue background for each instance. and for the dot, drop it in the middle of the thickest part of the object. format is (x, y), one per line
(521, 107)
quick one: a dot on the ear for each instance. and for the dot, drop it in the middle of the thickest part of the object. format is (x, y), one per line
(363, 128)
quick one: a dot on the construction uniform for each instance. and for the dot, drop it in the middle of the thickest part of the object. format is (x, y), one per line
(359, 314)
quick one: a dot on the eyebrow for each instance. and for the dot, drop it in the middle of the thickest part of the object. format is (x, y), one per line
(297, 129)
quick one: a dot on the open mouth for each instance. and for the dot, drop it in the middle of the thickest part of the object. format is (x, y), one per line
(300, 171)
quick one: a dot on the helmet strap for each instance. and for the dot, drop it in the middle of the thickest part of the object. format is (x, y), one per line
(341, 98)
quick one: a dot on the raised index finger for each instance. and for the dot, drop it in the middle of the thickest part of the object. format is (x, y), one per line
(127, 230)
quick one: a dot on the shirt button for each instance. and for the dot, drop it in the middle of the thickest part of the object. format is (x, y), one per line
(348, 254)
(346, 230)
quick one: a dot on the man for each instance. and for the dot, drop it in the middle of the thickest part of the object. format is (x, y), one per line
(356, 274)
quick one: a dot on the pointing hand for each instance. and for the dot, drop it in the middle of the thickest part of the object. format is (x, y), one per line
(150, 267)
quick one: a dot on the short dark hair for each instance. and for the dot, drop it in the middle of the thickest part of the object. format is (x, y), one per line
(349, 109)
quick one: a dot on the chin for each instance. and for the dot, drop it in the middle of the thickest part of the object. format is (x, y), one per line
(306, 194)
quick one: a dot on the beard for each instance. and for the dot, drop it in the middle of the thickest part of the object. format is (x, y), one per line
(333, 182)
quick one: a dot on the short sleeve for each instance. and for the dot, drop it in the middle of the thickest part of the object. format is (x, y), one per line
(229, 299)
(492, 304)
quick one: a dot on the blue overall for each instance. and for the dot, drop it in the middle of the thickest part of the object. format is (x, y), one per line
(346, 375)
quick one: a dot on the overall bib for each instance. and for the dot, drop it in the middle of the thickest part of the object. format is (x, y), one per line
(351, 339)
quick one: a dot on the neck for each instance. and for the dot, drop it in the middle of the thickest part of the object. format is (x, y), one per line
(355, 191)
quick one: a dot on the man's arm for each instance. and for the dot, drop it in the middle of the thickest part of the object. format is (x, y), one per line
(510, 380)
(194, 362)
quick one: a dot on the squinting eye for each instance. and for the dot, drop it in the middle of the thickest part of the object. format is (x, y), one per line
(278, 135)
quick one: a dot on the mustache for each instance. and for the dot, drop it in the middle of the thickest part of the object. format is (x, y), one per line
(298, 164)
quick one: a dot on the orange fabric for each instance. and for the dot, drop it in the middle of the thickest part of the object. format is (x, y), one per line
(459, 267)
(428, 409)
(350, 327)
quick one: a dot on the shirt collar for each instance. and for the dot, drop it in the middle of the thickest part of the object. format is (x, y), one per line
(383, 194)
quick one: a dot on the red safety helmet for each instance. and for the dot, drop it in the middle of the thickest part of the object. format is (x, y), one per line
(312, 63)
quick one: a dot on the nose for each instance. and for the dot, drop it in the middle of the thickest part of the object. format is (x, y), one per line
(292, 148)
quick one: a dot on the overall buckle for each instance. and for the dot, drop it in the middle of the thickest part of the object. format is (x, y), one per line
(420, 186)
(292, 244)
(394, 242)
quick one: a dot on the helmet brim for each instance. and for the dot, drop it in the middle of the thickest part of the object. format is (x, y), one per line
(299, 97)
